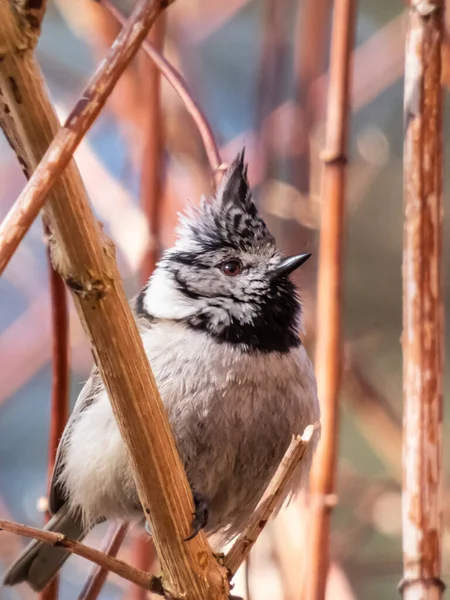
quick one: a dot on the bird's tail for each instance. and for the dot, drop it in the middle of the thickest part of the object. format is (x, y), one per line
(39, 562)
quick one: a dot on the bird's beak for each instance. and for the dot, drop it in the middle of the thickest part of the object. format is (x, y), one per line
(288, 265)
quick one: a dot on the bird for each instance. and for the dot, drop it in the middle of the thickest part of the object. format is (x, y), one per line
(221, 325)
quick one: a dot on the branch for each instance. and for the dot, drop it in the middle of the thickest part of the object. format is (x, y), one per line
(328, 344)
(85, 259)
(423, 330)
(87, 109)
(110, 547)
(145, 580)
(177, 82)
(59, 410)
(60, 360)
(152, 159)
(152, 198)
(268, 503)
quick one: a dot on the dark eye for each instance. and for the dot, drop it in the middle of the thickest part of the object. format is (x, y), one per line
(231, 268)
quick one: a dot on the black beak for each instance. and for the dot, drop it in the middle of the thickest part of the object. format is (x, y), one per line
(288, 265)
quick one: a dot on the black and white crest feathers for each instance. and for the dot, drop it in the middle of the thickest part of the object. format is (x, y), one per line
(228, 220)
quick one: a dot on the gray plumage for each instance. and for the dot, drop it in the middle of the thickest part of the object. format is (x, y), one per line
(220, 323)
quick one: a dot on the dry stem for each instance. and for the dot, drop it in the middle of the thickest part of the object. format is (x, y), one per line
(152, 163)
(245, 542)
(60, 382)
(87, 109)
(111, 546)
(60, 363)
(146, 580)
(152, 197)
(328, 344)
(176, 80)
(85, 259)
(422, 304)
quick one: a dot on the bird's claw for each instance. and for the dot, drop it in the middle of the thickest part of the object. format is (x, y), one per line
(200, 516)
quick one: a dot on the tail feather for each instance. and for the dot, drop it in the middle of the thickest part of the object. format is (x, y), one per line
(40, 562)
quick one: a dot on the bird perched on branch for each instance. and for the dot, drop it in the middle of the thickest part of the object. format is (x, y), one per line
(220, 322)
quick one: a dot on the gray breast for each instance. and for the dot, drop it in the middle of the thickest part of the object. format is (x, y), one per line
(233, 414)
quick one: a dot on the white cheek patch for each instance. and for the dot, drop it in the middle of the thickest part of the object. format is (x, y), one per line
(163, 300)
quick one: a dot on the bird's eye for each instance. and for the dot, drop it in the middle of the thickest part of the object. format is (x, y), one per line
(231, 268)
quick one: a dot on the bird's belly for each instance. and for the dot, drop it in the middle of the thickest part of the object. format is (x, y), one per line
(232, 421)
(233, 446)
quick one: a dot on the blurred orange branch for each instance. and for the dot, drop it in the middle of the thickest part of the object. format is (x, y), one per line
(152, 197)
(60, 381)
(27, 206)
(329, 310)
(152, 162)
(179, 85)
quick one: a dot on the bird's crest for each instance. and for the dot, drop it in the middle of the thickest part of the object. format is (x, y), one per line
(229, 219)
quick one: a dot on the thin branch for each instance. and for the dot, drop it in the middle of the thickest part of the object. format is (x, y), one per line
(422, 304)
(177, 82)
(328, 344)
(145, 580)
(98, 29)
(60, 382)
(313, 22)
(271, 68)
(27, 206)
(152, 197)
(152, 163)
(110, 547)
(85, 259)
(268, 503)
(60, 363)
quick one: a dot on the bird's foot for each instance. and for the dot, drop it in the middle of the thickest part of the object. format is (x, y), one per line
(200, 516)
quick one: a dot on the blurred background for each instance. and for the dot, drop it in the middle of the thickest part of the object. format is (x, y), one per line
(258, 69)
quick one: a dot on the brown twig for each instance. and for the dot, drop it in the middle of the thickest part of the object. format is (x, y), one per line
(60, 382)
(27, 206)
(422, 304)
(328, 342)
(152, 164)
(85, 259)
(268, 503)
(110, 547)
(98, 29)
(313, 21)
(179, 85)
(272, 62)
(151, 196)
(146, 580)
(60, 360)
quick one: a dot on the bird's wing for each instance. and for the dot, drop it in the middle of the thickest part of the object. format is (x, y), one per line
(87, 395)
(93, 386)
